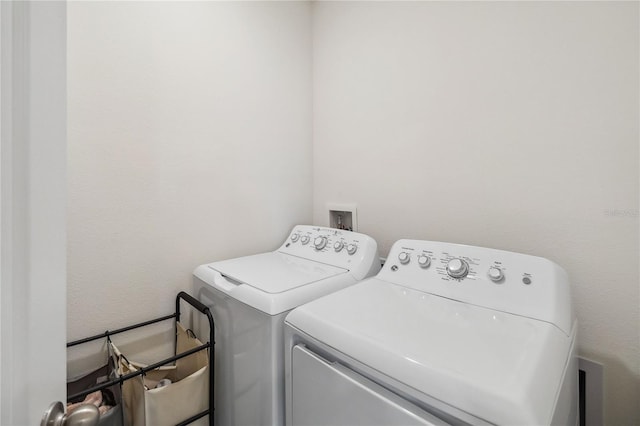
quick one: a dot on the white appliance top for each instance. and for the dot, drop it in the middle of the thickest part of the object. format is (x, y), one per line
(274, 272)
(503, 366)
(313, 261)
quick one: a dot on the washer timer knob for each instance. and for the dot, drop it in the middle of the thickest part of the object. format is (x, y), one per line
(495, 274)
(352, 248)
(320, 243)
(457, 268)
(304, 239)
(404, 257)
(424, 261)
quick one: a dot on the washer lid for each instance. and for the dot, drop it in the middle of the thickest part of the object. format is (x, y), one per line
(273, 282)
(274, 272)
(499, 367)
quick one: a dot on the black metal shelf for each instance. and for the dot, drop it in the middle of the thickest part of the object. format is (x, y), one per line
(121, 379)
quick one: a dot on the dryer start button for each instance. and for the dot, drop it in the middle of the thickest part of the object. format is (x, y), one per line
(495, 274)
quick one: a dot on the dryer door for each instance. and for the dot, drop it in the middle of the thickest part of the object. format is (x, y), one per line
(330, 394)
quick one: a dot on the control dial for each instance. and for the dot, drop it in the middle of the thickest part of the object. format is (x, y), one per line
(320, 243)
(457, 268)
(424, 261)
(352, 248)
(295, 237)
(404, 257)
(495, 274)
(304, 239)
(339, 245)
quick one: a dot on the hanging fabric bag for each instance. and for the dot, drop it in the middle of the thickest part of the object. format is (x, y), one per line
(183, 390)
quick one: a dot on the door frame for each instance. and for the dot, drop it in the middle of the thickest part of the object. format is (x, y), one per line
(33, 208)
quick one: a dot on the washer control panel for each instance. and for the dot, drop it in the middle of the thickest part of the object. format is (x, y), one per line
(349, 250)
(500, 280)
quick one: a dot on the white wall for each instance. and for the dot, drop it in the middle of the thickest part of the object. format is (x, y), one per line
(189, 142)
(508, 125)
(501, 124)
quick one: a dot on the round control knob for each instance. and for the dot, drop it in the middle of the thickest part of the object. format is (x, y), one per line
(404, 257)
(304, 239)
(495, 274)
(320, 243)
(295, 237)
(424, 261)
(338, 246)
(457, 268)
(352, 248)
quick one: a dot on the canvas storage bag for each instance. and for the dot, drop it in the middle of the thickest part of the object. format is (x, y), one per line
(186, 396)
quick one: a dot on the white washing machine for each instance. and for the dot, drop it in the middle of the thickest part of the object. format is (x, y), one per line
(444, 334)
(250, 297)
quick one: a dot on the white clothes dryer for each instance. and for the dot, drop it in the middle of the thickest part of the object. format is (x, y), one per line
(444, 334)
(249, 299)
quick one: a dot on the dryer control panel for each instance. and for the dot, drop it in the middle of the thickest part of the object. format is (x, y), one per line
(345, 249)
(509, 282)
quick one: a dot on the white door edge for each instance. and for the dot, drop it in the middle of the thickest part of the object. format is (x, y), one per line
(32, 213)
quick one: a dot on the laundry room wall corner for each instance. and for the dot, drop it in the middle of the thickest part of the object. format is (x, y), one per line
(189, 142)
